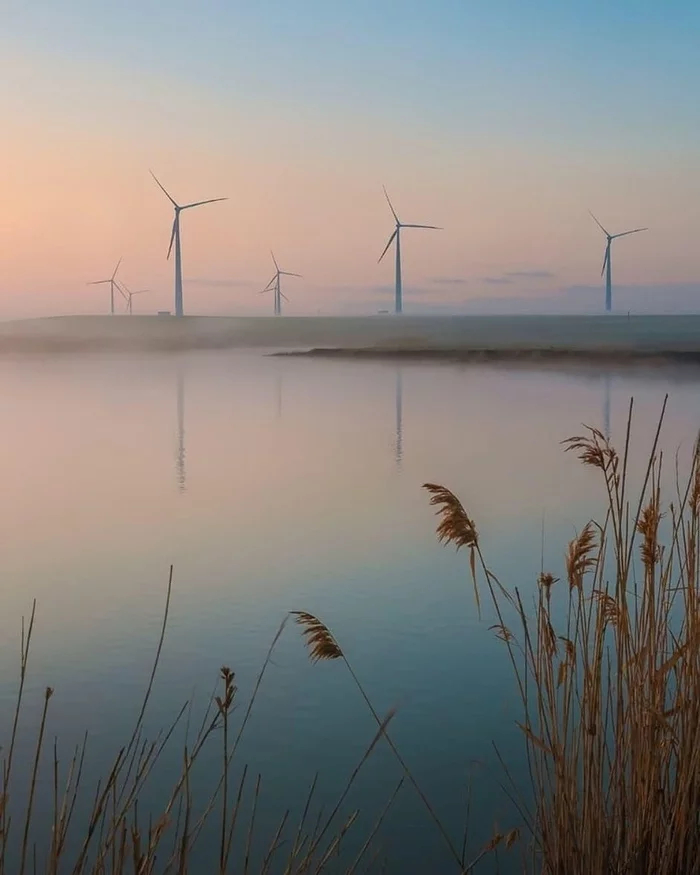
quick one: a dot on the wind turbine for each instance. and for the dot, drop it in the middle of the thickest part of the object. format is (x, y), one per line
(607, 269)
(113, 284)
(128, 295)
(275, 286)
(397, 235)
(175, 238)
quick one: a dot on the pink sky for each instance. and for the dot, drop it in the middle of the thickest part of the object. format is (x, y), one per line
(77, 195)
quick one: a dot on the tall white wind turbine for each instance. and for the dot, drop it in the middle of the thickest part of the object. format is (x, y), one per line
(607, 268)
(275, 286)
(175, 238)
(113, 284)
(397, 235)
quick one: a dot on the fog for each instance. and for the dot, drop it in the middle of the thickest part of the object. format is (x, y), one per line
(388, 334)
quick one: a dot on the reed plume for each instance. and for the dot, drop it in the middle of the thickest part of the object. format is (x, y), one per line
(456, 527)
(319, 640)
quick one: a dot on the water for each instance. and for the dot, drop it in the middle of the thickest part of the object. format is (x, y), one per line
(288, 484)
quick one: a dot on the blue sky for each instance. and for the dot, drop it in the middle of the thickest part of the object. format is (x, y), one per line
(513, 112)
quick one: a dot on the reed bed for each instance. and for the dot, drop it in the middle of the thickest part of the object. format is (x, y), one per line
(99, 826)
(607, 664)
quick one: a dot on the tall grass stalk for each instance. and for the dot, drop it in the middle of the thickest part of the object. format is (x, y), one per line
(323, 646)
(114, 837)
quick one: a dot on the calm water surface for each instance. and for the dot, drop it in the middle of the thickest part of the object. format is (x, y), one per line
(282, 484)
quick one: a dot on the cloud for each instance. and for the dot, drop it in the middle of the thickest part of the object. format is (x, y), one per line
(502, 279)
(448, 280)
(496, 280)
(657, 298)
(219, 284)
(530, 274)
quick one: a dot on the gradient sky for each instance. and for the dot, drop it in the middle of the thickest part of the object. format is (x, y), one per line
(501, 121)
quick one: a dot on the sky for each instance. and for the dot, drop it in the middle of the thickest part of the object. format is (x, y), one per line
(501, 122)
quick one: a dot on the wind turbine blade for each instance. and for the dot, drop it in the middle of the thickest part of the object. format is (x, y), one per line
(163, 189)
(598, 224)
(605, 259)
(391, 240)
(269, 287)
(212, 200)
(282, 295)
(98, 282)
(277, 267)
(625, 233)
(287, 273)
(116, 268)
(172, 238)
(391, 206)
(432, 227)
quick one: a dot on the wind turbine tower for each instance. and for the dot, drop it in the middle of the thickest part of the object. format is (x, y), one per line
(175, 238)
(274, 286)
(397, 235)
(113, 284)
(607, 268)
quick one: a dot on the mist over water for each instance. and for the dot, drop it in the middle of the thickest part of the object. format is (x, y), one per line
(281, 484)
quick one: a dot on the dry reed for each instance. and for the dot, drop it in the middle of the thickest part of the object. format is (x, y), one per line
(322, 646)
(115, 837)
(608, 669)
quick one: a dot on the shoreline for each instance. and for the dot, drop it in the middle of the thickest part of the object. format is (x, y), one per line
(506, 356)
(608, 339)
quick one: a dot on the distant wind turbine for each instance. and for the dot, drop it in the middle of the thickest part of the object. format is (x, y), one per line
(113, 284)
(607, 268)
(275, 286)
(397, 235)
(175, 238)
(128, 295)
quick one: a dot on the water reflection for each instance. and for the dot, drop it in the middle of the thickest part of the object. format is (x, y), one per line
(350, 543)
(398, 445)
(180, 472)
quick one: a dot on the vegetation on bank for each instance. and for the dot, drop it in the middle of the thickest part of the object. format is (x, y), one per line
(607, 664)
